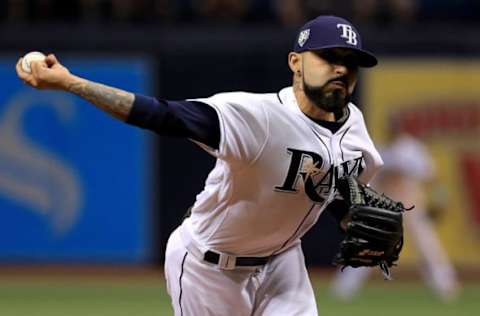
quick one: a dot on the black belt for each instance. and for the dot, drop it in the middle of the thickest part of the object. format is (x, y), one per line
(214, 257)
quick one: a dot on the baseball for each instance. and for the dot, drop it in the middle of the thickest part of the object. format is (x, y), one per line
(28, 58)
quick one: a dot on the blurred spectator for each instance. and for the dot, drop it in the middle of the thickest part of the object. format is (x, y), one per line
(167, 10)
(385, 12)
(321, 7)
(90, 11)
(129, 11)
(448, 10)
(286, 12)
(15, 11)
(123, 10)
(290, 12)
(139, 12)
(222, 10)
(43, 10)
(54, 11)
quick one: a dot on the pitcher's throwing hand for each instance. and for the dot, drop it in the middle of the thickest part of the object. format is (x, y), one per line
(45, 74)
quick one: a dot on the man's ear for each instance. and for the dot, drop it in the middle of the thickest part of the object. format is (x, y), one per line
(295, 63)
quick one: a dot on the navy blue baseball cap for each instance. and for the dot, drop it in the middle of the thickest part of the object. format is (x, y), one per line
(328, 31)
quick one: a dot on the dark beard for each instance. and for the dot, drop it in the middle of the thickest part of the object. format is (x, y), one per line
(331, 101)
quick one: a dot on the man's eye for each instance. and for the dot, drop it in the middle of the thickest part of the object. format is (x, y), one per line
(328, 56)
(351, 61)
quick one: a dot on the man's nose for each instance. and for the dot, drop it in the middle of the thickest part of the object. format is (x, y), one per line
(340, 69)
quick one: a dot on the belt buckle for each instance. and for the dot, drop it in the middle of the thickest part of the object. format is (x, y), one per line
(226, 261)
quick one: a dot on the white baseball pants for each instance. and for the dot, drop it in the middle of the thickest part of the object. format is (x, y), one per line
(199, 288)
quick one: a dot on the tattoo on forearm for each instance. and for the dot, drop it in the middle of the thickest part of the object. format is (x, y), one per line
(115, 102)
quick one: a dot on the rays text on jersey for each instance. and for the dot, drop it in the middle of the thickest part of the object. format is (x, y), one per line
(318, 178)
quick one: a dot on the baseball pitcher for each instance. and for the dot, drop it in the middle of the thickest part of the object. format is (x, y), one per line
(282, 158)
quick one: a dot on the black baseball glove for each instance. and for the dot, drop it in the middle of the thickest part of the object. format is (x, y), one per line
(373, 227)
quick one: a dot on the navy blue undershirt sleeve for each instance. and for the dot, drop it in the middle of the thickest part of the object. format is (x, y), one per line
(189, 119)
(337, 209)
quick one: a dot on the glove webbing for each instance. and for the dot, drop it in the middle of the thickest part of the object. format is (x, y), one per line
(354, 191)
(375, 199)
(382, 201)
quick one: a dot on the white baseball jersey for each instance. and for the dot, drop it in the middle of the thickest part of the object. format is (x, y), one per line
(275, 172)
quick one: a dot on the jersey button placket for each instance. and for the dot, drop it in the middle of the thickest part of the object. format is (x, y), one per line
(336, 160)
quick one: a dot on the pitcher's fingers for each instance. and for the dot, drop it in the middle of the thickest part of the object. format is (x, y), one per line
(51, 60)
(42, 63)
(18, 67)
(38, 68)
(31, 81)
(20, 72)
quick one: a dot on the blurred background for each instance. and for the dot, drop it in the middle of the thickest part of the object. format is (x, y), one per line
(88, 203)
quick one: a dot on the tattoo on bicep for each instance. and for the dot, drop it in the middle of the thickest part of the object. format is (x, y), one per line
(115, 102)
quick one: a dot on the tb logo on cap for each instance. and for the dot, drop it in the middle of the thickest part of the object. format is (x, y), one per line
(348, 33)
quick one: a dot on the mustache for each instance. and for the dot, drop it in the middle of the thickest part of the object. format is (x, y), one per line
(340, 78)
